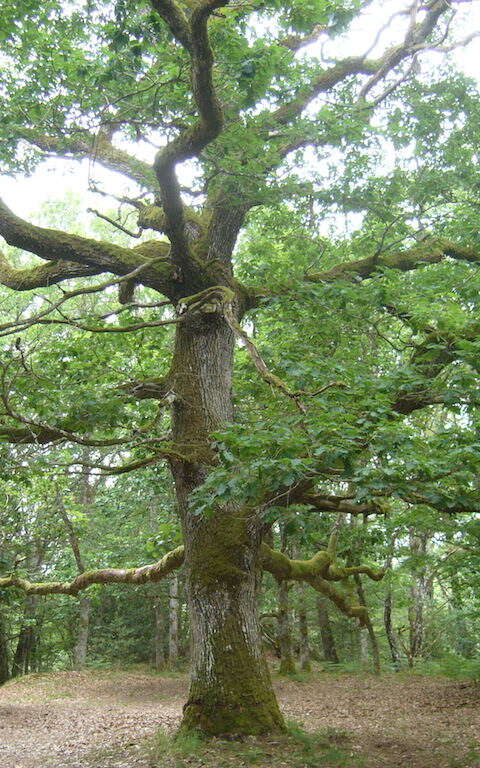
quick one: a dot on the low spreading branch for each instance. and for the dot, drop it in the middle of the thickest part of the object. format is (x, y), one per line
(319, 571)
(143, 575)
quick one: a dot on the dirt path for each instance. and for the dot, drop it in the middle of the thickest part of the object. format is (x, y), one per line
(101, 719)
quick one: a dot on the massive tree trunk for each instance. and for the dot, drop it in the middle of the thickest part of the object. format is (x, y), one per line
(231, 691)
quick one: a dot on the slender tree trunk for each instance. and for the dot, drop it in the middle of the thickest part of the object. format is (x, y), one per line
(4, 663)
(388, 609)
(464, 639)
(173, 625)
(231, 691)
(159, 643)
(287, 664)
(418, 596)
(80, 648)
(284, 618)
(326, 634)
(368, 631)
(305, 655)
(25, 649)
(84, 603)
(364, 654)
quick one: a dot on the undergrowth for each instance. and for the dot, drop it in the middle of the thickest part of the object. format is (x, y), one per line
(295, 749)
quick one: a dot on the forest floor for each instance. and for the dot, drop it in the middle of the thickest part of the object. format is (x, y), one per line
(110, 718)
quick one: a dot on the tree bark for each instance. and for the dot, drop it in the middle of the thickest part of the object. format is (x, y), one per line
(287, 664)
(418, 596)
(326, 634)
(284, 618)
(367, 630)
(464, 639)
(85, 493)
(25, 650)
(230, 691)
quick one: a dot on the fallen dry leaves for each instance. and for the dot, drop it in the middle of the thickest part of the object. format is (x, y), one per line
(103, 719)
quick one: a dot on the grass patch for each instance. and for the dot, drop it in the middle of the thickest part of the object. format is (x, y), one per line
(295, 749)
(470, 760)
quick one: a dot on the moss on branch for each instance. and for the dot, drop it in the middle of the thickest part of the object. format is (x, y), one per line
(320, 571)
(147, 573)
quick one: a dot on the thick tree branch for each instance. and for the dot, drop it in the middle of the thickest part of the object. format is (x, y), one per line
(143, 575)
(193, 36)
(339, 504)
(57, 246)
(42, 275)
(431, 251)
(42, 317)
(319, 572)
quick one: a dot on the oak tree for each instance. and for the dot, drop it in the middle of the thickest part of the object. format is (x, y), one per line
(257, 107)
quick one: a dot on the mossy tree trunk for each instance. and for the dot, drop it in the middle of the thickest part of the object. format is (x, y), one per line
(231, 691)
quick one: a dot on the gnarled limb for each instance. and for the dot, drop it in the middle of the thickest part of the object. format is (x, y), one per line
(339, 504)
(193, 36)
(143, 575)
(42, 317)
(319, 571)
(417, 34)
(57, 246)
(42, 275)
(431, 251)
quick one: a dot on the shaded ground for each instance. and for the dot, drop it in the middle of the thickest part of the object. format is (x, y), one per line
(107, 719)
